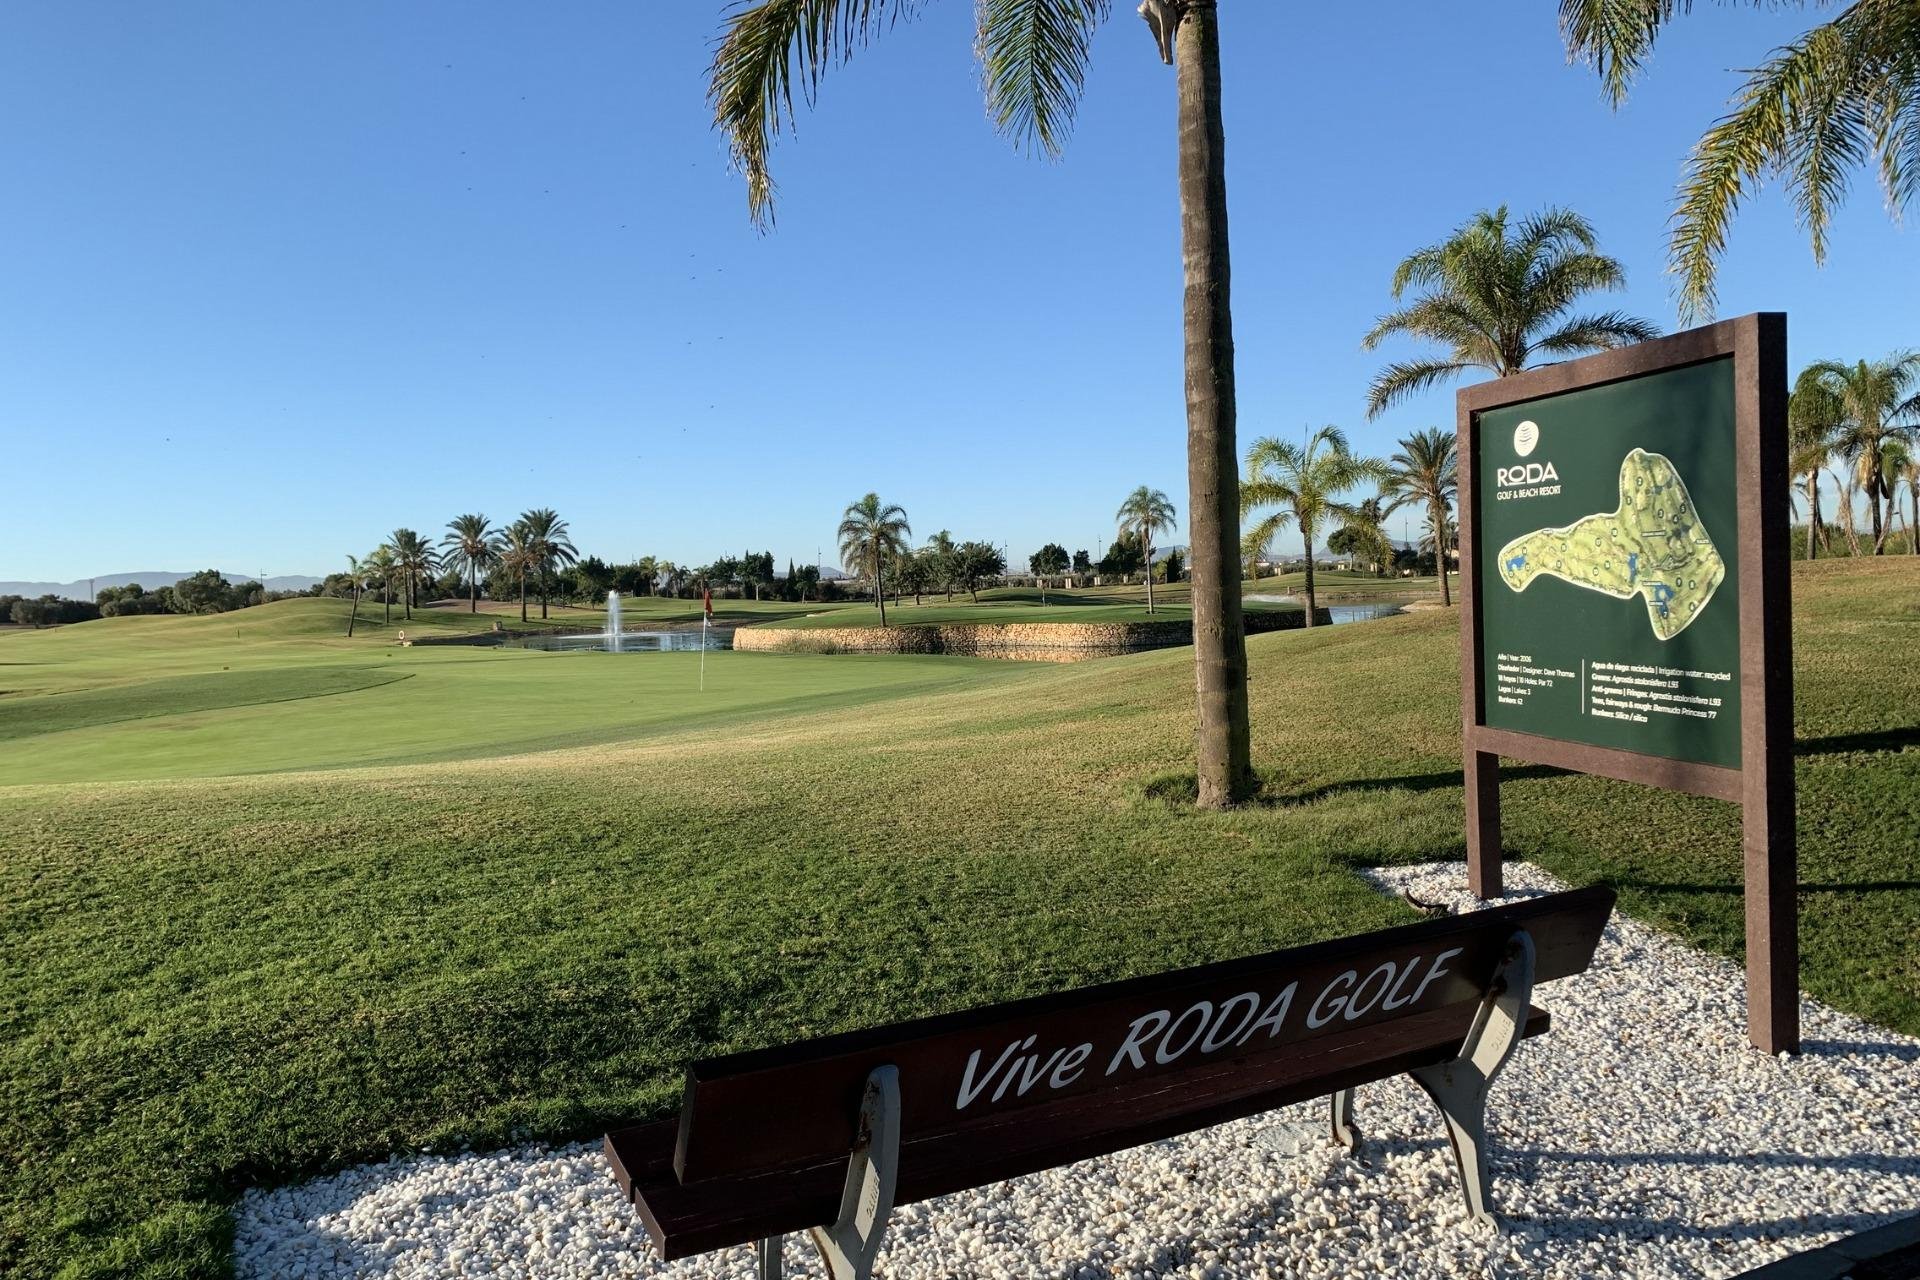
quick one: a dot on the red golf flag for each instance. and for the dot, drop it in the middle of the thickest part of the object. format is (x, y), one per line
(707, 596)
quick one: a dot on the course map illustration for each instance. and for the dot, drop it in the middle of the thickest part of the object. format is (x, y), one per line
(1652, 545)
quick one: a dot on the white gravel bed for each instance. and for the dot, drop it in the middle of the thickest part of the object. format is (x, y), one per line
(1641, 1137)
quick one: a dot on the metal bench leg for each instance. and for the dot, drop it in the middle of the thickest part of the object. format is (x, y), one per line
(850, 1246)
(1460, 1087)
(769, 1252)
(1344, 1133)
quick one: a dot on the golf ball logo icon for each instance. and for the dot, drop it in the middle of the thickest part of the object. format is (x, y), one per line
(1525, 436)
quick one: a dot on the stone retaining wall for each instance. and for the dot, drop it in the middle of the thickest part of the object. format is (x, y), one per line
(998, 639)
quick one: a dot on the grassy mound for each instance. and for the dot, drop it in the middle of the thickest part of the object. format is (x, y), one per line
(232, 980)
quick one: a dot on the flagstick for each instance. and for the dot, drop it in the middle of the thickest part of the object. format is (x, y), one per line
(703, 654)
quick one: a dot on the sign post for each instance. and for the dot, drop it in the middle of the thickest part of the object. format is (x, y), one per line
(1625, 601)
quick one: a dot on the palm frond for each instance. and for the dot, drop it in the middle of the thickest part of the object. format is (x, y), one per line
(769, 47)
(1422, 266)
(1404, 378)
(1613, 36)
(1801, 115)
(1601, 332)
(1270, 454)
(1555, 281)
(1437, 317)
(1033, 64)
(1557, 231)
(1260, 535)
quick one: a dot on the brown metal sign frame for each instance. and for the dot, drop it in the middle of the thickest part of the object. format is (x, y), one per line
(1763, 785)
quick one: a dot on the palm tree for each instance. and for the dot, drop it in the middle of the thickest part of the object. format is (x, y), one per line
(1303, 481)
(1896, 464)
(1913, 504)
(1034, 55)
(355, 572)
(1145, 513)
(519, 555)
(1497, 298)
(547, 536)
(1846, 93)
(472, 541)
(1847, 484)
(1254, 545)
(1865, 401)
(383, 566)
(940, 551)
(1364, 524)
(1813, 431)
(417, 560)
(1426, 473)
(871, 533)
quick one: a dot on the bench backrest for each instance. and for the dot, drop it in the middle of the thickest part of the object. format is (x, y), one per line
(1129, 1042)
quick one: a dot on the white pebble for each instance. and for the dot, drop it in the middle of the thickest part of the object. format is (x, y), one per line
(1640, 1137)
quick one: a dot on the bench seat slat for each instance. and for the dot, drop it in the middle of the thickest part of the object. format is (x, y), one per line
(793, 1105)
(718, 1212)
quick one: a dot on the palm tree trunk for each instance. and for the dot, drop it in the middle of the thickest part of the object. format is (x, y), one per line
(879, 595)
(1439, 520)
(1813, 511)
(353, 614)
(1223, 755)
(1306, 541)
(1149, 546)
(523, 597)
(1873, 507)
(473, 587)
(1846, 513)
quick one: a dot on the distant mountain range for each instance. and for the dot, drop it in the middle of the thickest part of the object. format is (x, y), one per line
(85, 588)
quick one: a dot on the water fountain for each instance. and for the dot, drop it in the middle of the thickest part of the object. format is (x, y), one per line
(613, 622)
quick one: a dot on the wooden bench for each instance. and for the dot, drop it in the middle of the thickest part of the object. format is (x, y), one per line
(839, 1130)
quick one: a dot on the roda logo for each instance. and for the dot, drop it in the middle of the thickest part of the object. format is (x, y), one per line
(1529, 473)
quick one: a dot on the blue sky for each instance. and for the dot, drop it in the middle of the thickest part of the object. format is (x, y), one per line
(280, 278)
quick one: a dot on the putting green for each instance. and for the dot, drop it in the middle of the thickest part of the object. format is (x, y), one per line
(127, 699)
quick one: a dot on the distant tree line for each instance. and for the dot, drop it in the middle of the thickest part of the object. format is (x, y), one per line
(534, 558)
(45, 611)
(204, 592)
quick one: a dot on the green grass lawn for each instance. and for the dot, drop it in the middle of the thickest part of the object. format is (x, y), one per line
(267, 698)
(253, 976)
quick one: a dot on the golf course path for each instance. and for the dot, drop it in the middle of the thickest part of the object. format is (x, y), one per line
(1642, 1137)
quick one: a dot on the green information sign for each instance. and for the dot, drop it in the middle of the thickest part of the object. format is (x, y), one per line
(1626, 601)
(1607, 558)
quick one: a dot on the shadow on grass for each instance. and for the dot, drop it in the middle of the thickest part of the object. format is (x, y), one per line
(1181, 790)
(1177, 790)
(1845, 743)
(1736, 888)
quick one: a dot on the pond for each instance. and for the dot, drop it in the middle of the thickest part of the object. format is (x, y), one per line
(1340, 613)
(1360, 612)
(721, 638)
(630, 641)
